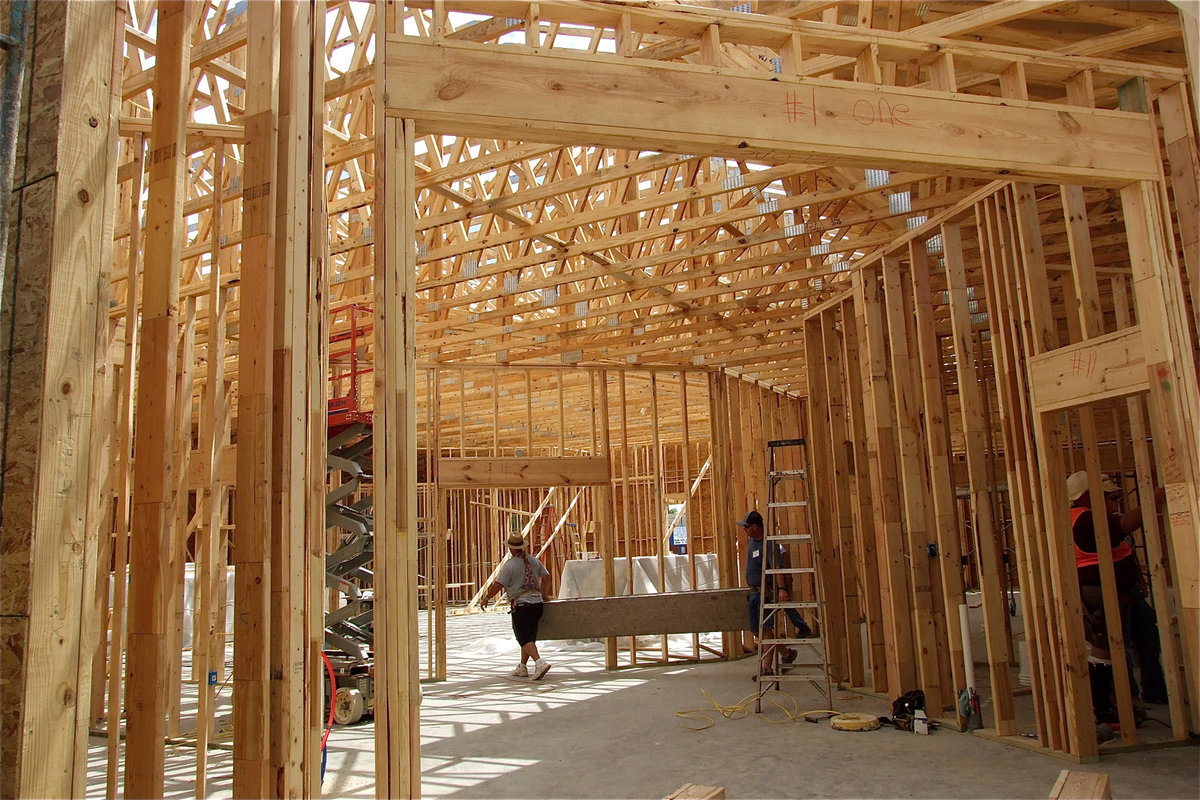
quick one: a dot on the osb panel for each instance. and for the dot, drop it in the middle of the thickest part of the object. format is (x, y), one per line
(43, 88)
(25, 354)
(13, 634)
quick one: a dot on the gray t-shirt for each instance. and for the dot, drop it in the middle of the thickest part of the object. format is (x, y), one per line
(512, 578)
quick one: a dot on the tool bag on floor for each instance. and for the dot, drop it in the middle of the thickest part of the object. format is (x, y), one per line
(904, 706)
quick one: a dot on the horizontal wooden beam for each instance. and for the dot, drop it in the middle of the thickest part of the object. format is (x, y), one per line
(470, 89)
(1113, 365)
(479, 473)
(645, 614)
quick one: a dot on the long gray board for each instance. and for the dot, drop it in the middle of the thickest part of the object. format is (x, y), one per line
(644, 614)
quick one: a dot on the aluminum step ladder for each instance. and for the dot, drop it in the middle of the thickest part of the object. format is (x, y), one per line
(789, 540)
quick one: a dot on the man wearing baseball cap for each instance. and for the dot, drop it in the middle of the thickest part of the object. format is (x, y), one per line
(778, 586)
(1137, 616)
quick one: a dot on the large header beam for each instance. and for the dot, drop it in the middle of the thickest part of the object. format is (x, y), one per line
(470, 89)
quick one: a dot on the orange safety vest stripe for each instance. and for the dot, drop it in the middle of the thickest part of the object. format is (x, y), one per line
(1085, 559)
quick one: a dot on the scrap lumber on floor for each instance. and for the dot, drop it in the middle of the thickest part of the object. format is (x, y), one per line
(1075, 785)
(690, 791)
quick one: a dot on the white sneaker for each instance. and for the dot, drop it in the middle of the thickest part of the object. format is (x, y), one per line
(520, 672)
(540, 668)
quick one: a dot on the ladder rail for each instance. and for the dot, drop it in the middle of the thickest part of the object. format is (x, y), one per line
(774, 558)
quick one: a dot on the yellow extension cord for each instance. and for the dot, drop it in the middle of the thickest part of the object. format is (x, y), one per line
(741, 709)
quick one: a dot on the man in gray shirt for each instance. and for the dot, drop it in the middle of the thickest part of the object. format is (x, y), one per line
(526, 583)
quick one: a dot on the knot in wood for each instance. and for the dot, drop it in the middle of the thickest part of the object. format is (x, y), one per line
(452, 90)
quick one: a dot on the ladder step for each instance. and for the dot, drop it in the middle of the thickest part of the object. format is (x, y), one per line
(792, 571)
(787, 473)
(785, 443)
(791, 605)
(814, 641)
(789, 504)
(786, 677)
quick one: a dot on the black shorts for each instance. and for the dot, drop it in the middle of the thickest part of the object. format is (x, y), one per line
(525, 618)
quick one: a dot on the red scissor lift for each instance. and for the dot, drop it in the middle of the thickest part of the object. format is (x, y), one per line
(347, 409)
(349, 630)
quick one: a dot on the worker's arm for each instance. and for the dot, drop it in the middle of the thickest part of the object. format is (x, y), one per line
(491, 592)
(545, 586)
(1131, 520)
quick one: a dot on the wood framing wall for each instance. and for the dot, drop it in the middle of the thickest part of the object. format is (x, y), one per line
(1038, 387)
(956, 249)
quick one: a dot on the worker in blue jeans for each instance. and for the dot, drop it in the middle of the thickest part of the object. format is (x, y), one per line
(778, 589)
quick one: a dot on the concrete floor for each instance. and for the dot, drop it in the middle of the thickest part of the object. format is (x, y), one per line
(583, 732)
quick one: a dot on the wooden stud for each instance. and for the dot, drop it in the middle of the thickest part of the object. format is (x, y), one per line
(607, 533)
(317, 390)
(999, 263)
(1152, 537)
(124, 480)
(881, 456)
(149, 547)
(908, 410)
(1179, 141)
(945, 522)
(1173, 402)
(1091, 324)
(289, 663)
(397, 721)
(985, 525)
(865, 550)
(254, 513)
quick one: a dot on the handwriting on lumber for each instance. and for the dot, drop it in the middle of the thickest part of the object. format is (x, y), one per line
(1083, 363)
(804, 107)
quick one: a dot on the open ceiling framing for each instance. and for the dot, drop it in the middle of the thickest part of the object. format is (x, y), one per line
(535, 253)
